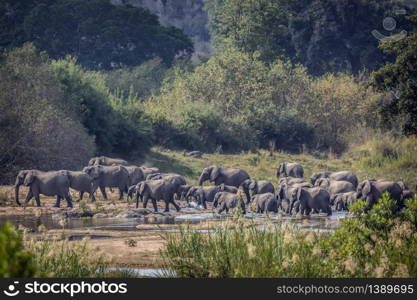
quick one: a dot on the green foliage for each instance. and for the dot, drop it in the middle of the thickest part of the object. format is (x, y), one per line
(380, 243)
(142, 81)
(399, 77)
(323, 35)
(65, 259)
(38, 129)
(15, 261)
(231, 101)
(118, 36)
(117, 124)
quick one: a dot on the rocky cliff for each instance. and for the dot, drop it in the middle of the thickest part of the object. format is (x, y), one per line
(188, 15)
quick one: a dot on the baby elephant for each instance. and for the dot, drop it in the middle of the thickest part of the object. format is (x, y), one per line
(227, 201)
(266, 202)
(342, 201)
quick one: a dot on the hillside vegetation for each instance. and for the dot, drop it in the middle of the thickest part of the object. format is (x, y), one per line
(382, 158)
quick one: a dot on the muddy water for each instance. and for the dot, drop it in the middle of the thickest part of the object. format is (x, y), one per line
(315, 222)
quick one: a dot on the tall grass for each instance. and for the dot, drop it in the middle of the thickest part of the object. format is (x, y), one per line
(381, 243)
(385, 156)
(62, 258)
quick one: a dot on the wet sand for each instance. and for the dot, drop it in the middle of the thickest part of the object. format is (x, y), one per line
(126, 242)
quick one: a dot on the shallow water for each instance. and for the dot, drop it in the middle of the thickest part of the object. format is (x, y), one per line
(143, 272)
(314, 222)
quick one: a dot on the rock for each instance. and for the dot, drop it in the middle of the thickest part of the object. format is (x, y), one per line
(101, 216)
(195, 154)
(134, 213)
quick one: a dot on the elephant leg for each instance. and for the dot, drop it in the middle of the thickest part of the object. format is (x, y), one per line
(29, 196)
(58, 201)
(81, 194)
(38, 200)
(178, 208)
(120, 194)
(69, 200)
(145, 202)
(155, 206)
(92, 198)
(329, 210)
(103, 192)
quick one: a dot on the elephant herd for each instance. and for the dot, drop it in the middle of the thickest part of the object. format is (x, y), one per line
(294, 194)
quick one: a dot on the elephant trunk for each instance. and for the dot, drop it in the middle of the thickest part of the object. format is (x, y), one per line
(201, 179)
(17, 186)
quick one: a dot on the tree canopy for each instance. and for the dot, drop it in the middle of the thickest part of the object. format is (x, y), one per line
(101, 35)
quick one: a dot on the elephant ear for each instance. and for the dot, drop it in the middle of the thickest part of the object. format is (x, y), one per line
(215, 172)
(142, 188)
(299, 191)
(366, 188)
(30, 177)
(253, 184)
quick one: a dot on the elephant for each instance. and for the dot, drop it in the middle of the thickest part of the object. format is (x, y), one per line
(256, 187)
(284, 194)
(227, 176)
(265, 202)
(342, 201)
(106, 161)
(83, 183)
(372, 190)
(227, 201)
(337, 176)
(173, 178)
(182, 191)
(148, 171)
(156, 190)
(315, 198)
(407, 192)
(291, 180)
(335, 187)
(135, 175)
(109, 176)
(52, 183)
(205, 194)
(290, 169)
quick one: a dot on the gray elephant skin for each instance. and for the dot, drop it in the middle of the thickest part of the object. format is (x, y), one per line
(83, 183)
(53, 183)
(135, 174)
(311, 199)
(288, 169)
(106, 161)
(148, 171)
(335, 186)
(342, 201)
(227, 201)
(155, 190)
(337, 176)
(227, 176)
(371, 191)
(205, 194)
(256, 187)
(265, 202)
(109, 176)
(176, 179)
(285, 192)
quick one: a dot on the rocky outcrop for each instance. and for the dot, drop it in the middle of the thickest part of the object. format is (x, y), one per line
(188, 15)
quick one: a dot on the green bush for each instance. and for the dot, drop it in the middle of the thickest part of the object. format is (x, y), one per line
(15, 261)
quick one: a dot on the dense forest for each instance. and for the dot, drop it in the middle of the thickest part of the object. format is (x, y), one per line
(80, 78)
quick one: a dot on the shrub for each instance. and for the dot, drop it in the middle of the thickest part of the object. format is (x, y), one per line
(15, 261)
(38, 129)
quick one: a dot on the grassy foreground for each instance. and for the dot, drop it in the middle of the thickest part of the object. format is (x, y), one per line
(380, 243)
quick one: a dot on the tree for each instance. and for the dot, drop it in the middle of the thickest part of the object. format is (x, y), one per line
(400, 80)
(117, 36)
